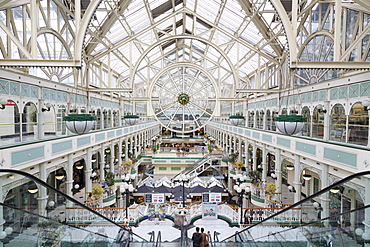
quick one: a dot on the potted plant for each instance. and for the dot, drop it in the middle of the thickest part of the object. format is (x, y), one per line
(270, 189)
(109, 178)
(232, 158)
(210, 149)
(97, 191)
(255, 176)
(239, 164)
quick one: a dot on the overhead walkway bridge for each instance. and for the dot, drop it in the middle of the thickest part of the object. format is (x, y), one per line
(46, 224)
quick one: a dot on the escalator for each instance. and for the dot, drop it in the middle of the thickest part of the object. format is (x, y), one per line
(31, 218)
(319, 224)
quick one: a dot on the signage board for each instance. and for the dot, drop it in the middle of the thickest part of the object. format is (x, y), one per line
(154, 198)
(211, 197)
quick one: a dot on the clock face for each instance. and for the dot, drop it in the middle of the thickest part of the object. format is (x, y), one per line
(183, 98)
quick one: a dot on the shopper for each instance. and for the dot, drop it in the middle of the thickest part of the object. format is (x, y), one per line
(204, 242)
(197, 238)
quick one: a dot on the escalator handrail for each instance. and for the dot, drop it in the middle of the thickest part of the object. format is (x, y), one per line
(39, 181)
(159, 239)
(309, 198)
(46, 218)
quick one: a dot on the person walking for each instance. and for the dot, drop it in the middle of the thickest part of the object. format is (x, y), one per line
(247, 217)
(197, 238)
(334, 218)
(204, 242)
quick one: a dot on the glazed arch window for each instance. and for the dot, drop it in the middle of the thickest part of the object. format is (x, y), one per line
(337, 131)
(358, 124)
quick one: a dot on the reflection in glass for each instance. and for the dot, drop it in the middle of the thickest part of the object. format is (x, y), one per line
(337, 130)
(358, 125)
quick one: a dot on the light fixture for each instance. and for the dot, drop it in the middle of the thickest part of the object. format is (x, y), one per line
(11, 176)
(366, 103)
(307, 176)
(316, 204)
(8, 230)
(2, 234)
(33, 189)
(273, 176)
(51, 203)
(79, 166)
(59, 174)
(48, 107)
(79, 123)
(107, 151)
(290, 167)
(236, 119)
(131, 119)
(334, 190)
(320, 108)
(93, 160)
(291, 189)
(359, 231)
(3, 103)
(77, 186)
(290, 124)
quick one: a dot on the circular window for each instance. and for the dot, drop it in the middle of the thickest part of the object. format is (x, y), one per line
(183, 98)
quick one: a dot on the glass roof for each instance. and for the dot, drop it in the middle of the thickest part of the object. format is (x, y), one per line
(228, 41)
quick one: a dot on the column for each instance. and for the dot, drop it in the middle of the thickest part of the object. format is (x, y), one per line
(278, 181)
(2, 221)
(126, 148)
(40, 121)
(88, 170)
(246, 155)
(264, 163)
(69, 182)
(42, 194)
(325, 197)
(254, 157)
(120, 152)
(264, 127)
(240, 149)
(112, 157)
(102, 163)
(326, 121)
(102, 118)
(367, 210)
(297, 178)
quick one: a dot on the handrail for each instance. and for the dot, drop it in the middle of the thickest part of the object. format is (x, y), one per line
(309, 198)
(39, 181)
(159, 239)
(152, 236)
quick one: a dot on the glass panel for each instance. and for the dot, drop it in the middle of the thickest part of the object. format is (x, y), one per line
(358, 125)
(44, 216)
(338, 124)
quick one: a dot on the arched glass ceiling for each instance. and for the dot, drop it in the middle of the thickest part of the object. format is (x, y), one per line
(230, 39)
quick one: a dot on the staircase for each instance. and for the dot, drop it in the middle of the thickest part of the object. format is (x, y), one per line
(200, 166)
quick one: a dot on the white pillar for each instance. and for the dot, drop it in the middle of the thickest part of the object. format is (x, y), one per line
(254, 156)
(325, 197)
(112, 157)
(69, 182)
(42, 193)
(264, 163)
(278, 162)
(297, 178)
(102, 163)
(88, 169)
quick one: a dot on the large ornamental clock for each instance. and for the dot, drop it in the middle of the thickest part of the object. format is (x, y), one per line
(183, 98)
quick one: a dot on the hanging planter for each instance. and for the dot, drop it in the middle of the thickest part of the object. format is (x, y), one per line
(236, 119)
(131, 119)
(290, 124)
(79, 123)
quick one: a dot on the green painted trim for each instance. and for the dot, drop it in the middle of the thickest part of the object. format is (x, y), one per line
(304, 147)
(175, 168)
(111, 198)
(258, 199)
(27, 155)
(162, 168)
(172, 158)
(340, 156)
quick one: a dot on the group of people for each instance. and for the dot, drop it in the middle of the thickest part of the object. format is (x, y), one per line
(200, 238)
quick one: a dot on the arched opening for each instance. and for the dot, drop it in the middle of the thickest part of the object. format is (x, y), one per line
(338, 124)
